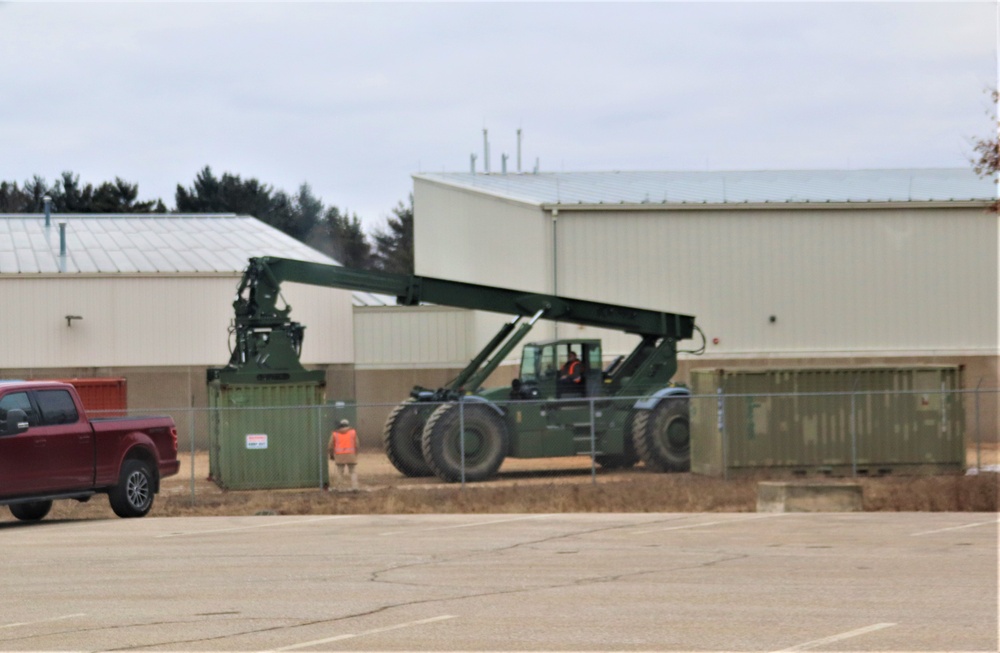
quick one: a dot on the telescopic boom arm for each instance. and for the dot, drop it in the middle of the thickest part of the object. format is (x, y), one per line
(269, 343)
(265, 276)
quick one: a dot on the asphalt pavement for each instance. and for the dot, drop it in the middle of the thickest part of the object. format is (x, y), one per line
(562, 582)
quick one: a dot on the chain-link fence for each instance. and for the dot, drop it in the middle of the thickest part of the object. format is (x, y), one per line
(844, 434)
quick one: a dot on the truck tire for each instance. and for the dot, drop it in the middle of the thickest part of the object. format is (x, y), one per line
(401, 438)
(31, 511)
(486, 442)
(133, 496)
(662, 436)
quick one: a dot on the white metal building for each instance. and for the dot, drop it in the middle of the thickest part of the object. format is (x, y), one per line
(785, 267)
(825, 268)
(149, 298)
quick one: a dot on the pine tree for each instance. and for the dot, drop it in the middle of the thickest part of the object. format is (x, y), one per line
(394, 246)
(343, 239)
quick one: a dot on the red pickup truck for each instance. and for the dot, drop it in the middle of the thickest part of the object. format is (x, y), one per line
(50, 450)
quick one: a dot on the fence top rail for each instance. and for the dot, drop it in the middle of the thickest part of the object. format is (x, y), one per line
(576, 400)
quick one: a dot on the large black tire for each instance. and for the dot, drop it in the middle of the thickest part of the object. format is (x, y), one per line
(32, 511)
(133, 496)
(486, 442)
(662, 436)
(401, 438)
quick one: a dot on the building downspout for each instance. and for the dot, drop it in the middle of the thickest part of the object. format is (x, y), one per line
(555, 264)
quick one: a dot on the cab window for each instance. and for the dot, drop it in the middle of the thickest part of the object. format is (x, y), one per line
(57, 407)
(18, 400)
(529, 364)
(548, 361)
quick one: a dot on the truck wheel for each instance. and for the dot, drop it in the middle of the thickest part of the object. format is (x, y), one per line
(401, 437)
(31, 511)
(133, 496)
(486, 442)
(662, 437)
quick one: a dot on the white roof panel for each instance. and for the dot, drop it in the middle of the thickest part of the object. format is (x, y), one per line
(727, 187)
(143, 244)
(148, 244)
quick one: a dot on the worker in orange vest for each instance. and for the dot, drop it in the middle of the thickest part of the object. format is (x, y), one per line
(344, 452)
(571, 376)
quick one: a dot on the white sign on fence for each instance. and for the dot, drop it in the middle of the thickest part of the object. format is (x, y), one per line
(257, 441)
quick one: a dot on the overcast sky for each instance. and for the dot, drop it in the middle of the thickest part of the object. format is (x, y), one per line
(354, 98)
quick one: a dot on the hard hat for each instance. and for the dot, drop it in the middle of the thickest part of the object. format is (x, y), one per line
(344, 422)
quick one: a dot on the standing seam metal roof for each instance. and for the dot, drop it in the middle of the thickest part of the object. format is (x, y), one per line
(148, 244)
(142, 243)
(728, 187)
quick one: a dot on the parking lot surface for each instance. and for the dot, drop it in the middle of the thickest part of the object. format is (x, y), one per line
(563, 582)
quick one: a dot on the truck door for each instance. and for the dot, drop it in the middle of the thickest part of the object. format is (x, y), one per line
(65, 441)
(18, 474)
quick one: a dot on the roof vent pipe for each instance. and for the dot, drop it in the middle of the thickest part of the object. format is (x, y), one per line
(62, 248)
(486, 152)
(472, 163)
(503, 163)
(519, 150)
(48, 210)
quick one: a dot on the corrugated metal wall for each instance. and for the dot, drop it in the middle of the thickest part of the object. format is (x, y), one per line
(465, 236)
(887, 281)
(392, 337)
(881, 281)
(151, 321)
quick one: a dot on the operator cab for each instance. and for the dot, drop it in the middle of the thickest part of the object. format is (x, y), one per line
(541, 363)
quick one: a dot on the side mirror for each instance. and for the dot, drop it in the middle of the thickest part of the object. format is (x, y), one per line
(15, 422)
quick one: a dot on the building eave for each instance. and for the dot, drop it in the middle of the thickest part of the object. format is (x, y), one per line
(768, 206)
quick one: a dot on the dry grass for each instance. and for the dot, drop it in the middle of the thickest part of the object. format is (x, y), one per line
(565, 485)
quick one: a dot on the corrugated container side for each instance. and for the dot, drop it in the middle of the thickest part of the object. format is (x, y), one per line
(267, 436)
(102, 396)
(829, 421)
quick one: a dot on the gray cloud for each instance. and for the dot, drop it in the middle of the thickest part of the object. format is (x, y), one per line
(353, 98)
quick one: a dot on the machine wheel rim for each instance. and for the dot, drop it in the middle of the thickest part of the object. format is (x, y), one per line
(676, 436)
(485, 441)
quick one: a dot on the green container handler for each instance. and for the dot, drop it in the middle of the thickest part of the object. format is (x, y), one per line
(268, 436)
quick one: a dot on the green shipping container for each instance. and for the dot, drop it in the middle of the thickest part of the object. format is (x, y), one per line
(837, 421)
(267, 436)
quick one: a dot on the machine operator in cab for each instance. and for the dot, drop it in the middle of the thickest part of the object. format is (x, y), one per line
(571, 375)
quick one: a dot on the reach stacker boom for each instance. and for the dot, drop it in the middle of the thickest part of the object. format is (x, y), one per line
(624, 412)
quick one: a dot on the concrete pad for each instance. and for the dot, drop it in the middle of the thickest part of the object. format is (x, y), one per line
(808, 496)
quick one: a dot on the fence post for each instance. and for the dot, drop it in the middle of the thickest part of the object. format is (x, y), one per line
(722, 431)
(593, 445)
(461, 436)
(319, 443)
(979, 433)
(854, 429)
(191, 438)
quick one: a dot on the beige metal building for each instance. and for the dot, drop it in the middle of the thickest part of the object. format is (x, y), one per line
(789, 268)
(149, 298)
(822, 268)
